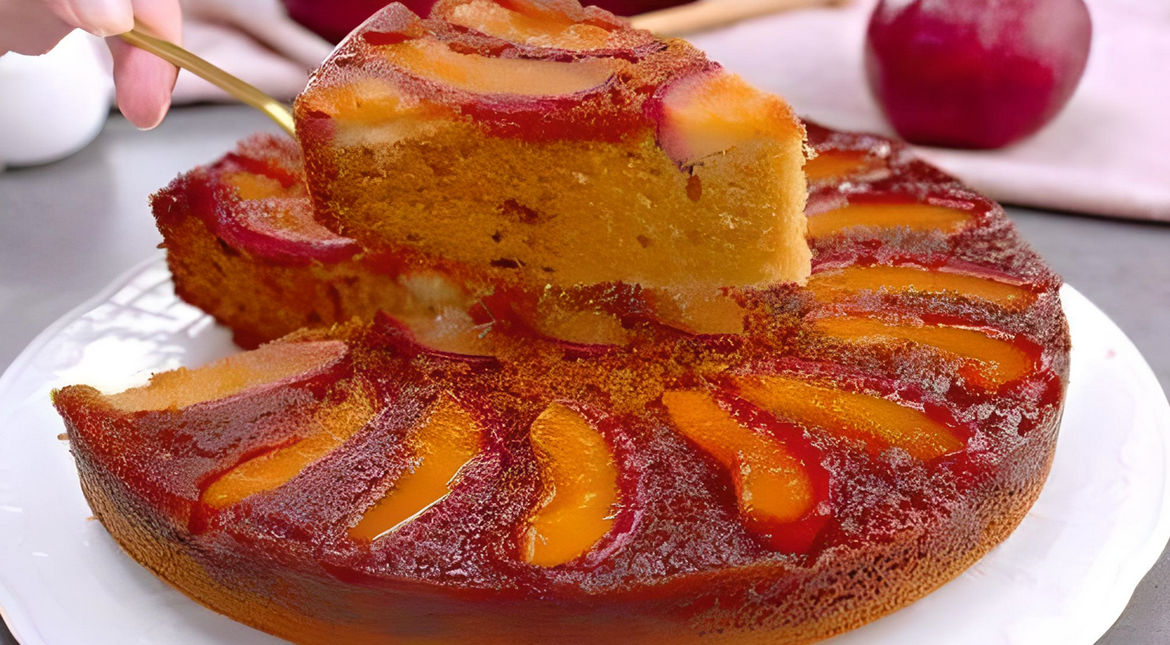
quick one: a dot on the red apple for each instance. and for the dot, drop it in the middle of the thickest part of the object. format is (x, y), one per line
(975, 73)
(334, 19)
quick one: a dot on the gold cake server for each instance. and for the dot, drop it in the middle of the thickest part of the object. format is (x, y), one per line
(247, 93)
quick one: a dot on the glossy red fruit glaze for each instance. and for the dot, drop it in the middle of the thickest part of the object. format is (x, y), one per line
(975, 73)
(278, 226)
(679, 525)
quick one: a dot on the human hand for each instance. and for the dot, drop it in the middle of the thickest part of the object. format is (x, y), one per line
(143, 81)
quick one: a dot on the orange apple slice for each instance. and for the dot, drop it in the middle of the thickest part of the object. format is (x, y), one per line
(546, 29)
(708, 113)
(443, 443)
(435, 61)
(771, 483)
(699, 312)
(586, 327)
(269, 366)
(916, 217)
(991, 361)
(879, 422)
(252, 186)
(842, 284)
(580, 484)
(268, 471)
(836, 164)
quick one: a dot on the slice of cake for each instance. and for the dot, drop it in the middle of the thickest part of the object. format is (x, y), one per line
(547, 144)
(243, 246)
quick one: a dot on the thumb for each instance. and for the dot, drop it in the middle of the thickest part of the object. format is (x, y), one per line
(143, 80)
(98, 17)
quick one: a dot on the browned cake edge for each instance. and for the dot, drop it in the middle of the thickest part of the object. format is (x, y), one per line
(842, 594)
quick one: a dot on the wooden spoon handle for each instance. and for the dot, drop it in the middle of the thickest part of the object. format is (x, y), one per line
(711, 14)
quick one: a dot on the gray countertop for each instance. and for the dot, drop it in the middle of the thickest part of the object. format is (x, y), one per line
(70, 228)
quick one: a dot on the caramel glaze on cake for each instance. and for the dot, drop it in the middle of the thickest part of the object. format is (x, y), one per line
(863, 440)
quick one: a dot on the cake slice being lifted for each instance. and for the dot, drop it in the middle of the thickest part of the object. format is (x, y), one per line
(539, 144)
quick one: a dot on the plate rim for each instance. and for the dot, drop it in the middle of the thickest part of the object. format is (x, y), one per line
(15, 615)
(8, 601)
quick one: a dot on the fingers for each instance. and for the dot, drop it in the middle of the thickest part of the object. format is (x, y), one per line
(27, 27)
(98, 17)
(144, 81)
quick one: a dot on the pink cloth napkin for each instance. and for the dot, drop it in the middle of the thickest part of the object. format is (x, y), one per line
(1107, 153)
(254, 40)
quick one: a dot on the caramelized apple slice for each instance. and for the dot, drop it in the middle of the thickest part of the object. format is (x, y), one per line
(268, 367)
(878, 422)
(842, 284)
(281, 229)
(699, 312)
(271, 218)
(450, 330)
(371, 102)
(435, 61)
(270, 470)
(581, 490)
(836, 164)
(708, 113)
(586, 327)
(771, 484)
(544, 29)
(989, 361)
(917, 217)
(442, 444)
(252, 186)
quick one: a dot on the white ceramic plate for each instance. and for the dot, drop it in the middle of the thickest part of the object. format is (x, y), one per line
(1062, 578)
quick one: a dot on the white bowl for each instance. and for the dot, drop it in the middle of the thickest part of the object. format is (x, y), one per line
(53, 105)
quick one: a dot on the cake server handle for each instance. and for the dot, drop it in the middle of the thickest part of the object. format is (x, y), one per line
(245, 92)
(712, 14)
